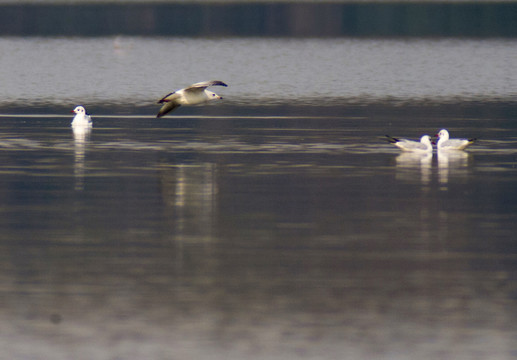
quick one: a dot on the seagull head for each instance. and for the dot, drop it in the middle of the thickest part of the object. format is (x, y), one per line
(443, 134)
(79, 110)
(425, 139)
(213, 95)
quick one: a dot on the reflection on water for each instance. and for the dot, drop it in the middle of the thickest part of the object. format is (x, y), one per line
(253, 238)
(189, 193)
(81, 138)
(452, 163)
(408, 161)
(418, 168)
(8, 142)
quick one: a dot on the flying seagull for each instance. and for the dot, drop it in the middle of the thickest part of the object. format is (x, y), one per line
(444, 143)
(192, 95)
(409, 145)
(81, 118)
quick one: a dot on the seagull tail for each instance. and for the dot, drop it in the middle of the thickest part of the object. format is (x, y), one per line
(392, 140)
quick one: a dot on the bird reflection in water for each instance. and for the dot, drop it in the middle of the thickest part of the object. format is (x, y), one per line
(190, 194)
(81, 138)
(409, 162)
(451, 162)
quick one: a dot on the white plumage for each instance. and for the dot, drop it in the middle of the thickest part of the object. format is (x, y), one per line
(444, 143)
(192, 95)
(410, 145)
(81, 118)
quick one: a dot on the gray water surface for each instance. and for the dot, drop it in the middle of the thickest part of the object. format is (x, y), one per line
(223, 233)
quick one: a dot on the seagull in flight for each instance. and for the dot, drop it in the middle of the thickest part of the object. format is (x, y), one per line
(81, 118)
(444, 143)
(191, 95)
(423, 146)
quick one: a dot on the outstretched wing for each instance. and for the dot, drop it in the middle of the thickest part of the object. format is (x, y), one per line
(169, 97)
(167, 108)
(200, 86)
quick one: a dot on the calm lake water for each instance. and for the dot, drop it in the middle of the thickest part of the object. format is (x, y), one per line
(275, 224)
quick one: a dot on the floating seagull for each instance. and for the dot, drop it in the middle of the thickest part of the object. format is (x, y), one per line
(444, 143)
(192, 95)
(81, 118)
(409, 145)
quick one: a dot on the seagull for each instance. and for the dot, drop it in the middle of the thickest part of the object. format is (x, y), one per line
(191, 95)
(81, 118)
(409, 145)
(444, 143)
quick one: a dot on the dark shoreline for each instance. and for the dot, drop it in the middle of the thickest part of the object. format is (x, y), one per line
(404, 19)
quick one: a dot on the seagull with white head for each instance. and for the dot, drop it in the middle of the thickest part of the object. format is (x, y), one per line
(81, 119)
(192, 95)
(444, 143)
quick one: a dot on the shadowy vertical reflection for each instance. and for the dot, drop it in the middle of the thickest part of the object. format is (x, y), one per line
(190, 194)
(409, 163)
(81, 138)
(417, 168)
(451, 161)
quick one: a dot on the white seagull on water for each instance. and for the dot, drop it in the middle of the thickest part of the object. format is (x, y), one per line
(444, 143)
(192, 95)
(81, 118)
(423, 146)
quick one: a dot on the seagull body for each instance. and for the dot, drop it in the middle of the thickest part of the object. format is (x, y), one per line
(444, 143)
(81, 118)
(410, 145)
(192, 95)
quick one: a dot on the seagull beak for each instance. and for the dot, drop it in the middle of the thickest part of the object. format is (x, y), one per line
(72, 111)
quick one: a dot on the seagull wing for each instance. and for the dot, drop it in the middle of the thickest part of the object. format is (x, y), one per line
(457, 144)
(167, 108)
(407, 145)
(200, 86)
(169, 97)
(413, 145)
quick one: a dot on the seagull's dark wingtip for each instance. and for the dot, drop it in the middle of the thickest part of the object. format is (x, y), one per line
(391, 140)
